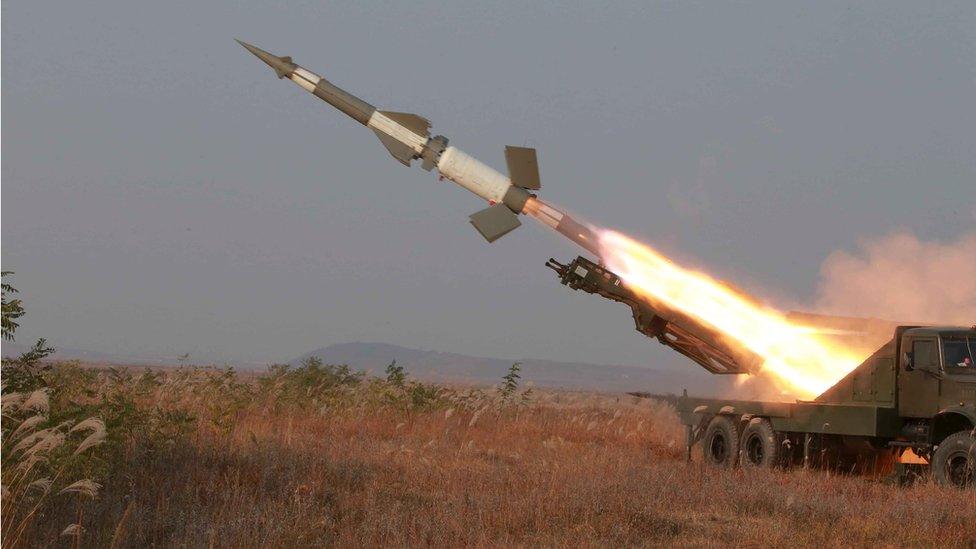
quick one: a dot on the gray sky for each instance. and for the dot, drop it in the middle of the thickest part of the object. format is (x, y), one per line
(163, 193)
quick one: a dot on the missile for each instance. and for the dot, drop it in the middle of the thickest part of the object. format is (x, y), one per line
(407, 137)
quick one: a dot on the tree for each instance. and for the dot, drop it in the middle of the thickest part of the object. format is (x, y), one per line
(510, 382)
(395, 375)
(12, 309)
(22, 373)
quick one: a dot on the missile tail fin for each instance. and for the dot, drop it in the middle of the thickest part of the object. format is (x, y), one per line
(523, 168)
(398, 149)
(495, 222)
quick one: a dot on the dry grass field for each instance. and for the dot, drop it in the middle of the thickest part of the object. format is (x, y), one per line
(317, 456)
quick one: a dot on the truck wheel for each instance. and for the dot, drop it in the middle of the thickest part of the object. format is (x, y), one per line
(761, 446)
(720, 445)
(954, 461)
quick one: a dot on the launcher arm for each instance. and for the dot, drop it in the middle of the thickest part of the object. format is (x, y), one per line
(679, 332)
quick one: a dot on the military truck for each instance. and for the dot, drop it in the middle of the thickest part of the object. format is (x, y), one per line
(914, 397)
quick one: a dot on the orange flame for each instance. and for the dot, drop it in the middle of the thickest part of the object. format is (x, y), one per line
(803, 362)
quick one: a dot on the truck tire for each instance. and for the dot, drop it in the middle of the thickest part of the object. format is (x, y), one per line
(760, 446)
(954, 460)
(720, 445)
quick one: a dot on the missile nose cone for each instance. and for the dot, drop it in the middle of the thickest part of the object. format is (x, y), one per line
(283, 66)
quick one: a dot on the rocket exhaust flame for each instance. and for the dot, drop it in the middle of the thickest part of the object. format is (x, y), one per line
(796, 356)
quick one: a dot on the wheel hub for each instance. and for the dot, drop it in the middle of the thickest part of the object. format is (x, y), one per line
(960, 469)
(754, 450)
(719, 448)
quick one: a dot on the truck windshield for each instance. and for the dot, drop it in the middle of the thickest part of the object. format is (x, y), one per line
(958, 352)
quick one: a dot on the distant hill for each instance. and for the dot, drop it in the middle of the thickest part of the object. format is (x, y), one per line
(458, 368)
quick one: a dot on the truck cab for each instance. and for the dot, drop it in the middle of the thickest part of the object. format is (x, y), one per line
(937, 376)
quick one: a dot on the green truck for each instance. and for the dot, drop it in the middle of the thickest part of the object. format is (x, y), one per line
(913, 399)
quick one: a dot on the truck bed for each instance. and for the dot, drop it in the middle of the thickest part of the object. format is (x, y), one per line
(800, 416)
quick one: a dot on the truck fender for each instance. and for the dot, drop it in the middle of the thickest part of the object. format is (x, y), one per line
(951, 420)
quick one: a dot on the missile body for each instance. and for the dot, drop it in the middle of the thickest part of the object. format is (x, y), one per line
(407, 137)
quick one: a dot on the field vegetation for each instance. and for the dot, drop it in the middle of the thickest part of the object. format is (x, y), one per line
(322, 455)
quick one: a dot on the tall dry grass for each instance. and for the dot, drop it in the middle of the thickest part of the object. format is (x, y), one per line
(322, 456)
(38, 459)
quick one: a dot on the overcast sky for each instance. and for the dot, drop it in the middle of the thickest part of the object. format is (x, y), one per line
(164, 193)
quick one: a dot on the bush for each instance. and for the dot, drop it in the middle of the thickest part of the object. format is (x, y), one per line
(311, 384)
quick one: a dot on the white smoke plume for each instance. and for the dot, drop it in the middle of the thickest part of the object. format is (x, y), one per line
(899, 277)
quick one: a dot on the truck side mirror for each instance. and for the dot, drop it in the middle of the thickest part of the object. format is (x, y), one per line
(906, 358)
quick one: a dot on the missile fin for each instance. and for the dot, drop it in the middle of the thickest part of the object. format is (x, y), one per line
(413, 122)
(523, 168)
(400, 151)
(284, 71)
(495, 222)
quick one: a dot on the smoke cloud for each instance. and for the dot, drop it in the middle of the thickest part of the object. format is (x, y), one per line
(899, 277)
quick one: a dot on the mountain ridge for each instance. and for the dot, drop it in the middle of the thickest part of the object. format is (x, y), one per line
(430, 365)
(447, 367)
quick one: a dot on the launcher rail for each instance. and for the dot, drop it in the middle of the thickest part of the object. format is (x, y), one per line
(684, 335)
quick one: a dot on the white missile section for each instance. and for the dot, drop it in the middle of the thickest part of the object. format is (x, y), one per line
(475, 176)
(500, 218)
(306, 79)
